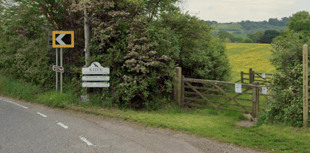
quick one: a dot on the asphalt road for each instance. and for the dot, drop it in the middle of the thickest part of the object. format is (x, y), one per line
(33, 128)
(38, 130)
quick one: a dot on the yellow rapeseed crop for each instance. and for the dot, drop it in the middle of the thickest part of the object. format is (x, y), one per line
(243, 56)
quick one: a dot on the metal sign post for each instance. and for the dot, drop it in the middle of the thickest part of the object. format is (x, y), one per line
(56, 71)
(61, 39)
(61, 61)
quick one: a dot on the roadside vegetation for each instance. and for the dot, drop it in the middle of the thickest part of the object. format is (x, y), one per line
(214, 124)
(142, 44)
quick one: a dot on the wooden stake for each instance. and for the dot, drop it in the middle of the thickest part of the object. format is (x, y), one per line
(305, 85)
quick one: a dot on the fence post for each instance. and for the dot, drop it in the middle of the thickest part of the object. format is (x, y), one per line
(305, 85)
(253, 76)
(183, 90)
(255, 100)
(250, 76)
(241, 76)
(177, 85)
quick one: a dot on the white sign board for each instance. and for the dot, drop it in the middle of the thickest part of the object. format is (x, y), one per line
(264, 76)
(238, 88)
(95, 68)
(95, 84)
(264, 90)
(95, 78)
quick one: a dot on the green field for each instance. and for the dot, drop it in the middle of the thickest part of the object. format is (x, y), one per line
(243, 56)
(214, 124)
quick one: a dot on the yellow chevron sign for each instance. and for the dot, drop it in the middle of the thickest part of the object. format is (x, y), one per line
(63, 39)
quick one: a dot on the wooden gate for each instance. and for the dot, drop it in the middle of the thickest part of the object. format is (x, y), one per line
(210, 94)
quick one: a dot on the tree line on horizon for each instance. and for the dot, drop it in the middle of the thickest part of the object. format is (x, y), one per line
(265, 36)
(271, 21)
(258, 37)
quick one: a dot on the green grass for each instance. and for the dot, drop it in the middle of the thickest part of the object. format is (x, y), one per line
(214, 124)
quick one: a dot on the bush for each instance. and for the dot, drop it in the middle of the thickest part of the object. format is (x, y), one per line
(142, 55)
(26, 59)
(247, 40)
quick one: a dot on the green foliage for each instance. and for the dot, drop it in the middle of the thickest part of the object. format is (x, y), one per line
(57, 99)
(20, 90)
(256, 37)
(248, 40)
(249, 27)
(143, 53)
(287, 83)
(300, 22)
(223, 35)
(25, 59)
(23, 19)
(252, 27)
(227, 40)
(140, 41)
(269, 35)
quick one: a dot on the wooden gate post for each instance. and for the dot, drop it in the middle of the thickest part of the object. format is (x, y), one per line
(255, 100)
(250, 75)
(177, 86)
(253, 76)
(305, 85)
(241, 76)
(182, 93)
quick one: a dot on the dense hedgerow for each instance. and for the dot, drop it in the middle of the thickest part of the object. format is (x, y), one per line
(140, 43)
(287, 83)
(142, 52)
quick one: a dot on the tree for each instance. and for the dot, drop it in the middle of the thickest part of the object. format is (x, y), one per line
(273, 21)
(299, 22)
(141, 41)
(21, 17)
(269, 35)
(256, 37)
(146, 51)
(247, 40)
(223, 35)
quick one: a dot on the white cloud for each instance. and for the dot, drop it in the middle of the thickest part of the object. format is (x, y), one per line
(237, 10)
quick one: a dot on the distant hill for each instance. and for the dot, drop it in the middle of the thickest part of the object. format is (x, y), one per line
(241, 29)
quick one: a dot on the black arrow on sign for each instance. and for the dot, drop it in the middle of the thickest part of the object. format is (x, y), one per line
(63, 39)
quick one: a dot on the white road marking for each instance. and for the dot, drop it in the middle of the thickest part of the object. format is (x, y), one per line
(41, 114)
(86, 141)
(16, 104)
(64, 126)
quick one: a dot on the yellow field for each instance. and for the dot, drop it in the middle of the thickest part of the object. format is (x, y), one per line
(243, 56)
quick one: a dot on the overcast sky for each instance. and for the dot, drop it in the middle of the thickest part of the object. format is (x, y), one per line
(238, 10)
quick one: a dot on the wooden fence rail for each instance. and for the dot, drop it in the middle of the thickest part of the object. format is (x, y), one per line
(255, 76)
(199, 90)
